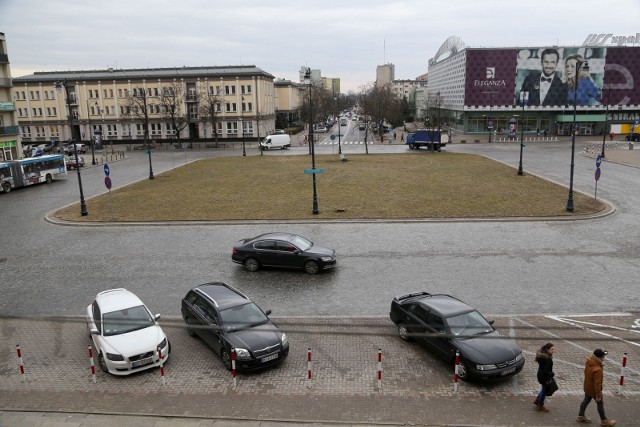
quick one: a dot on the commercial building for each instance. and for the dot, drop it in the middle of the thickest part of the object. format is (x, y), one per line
(385, 74)
(244, 98)
(10, 146)
(478, 90)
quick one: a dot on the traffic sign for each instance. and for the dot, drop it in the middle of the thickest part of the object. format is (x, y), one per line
(490, 124)
(312, 171)
(107, 182)
(598, 161)
(106, 169)
(598, 173)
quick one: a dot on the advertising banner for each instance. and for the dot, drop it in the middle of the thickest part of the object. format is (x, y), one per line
(489, 77)
(622, 76)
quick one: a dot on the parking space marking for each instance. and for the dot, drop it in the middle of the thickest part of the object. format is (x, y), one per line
(577, 324)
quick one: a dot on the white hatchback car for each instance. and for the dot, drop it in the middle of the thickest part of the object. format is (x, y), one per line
(125, 334)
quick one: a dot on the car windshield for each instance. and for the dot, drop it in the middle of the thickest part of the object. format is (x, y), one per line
(301, 243)
(471, 323)
(242, 316)
(127, 320)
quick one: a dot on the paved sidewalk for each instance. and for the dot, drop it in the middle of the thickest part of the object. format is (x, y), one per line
(417, 388)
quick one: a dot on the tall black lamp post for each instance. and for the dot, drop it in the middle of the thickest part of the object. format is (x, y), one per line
(314, 208)
(606, 118)
(74, 140)
(93, 151)
(244, 153)
(338, 120)
(524, 99)
(573, 137)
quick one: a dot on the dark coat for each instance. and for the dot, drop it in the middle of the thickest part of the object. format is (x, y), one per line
(545, 367)
(557, 94)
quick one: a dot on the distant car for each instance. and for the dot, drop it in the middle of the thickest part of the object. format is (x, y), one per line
(225, 319)
(361, 126)
(445, 325)
(321, 128)
(279, 132)
(71, 162)
(283, 250)
(70, 148)
(633, 137)
(125, 334)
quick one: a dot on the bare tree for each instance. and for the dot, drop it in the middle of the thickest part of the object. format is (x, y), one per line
(380, 104)
(137, 105)
(210, 106)
(171, 103)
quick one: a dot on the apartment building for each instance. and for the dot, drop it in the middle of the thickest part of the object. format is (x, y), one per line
(288, 96)
(99, 102)
(10, 146)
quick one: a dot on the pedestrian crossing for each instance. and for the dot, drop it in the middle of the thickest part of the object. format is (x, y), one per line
(344, 143)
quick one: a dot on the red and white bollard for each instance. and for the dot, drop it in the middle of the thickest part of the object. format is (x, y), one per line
(309, 368)
(24, 377)
(161, 367)
(624, 365)
(380, 369)
(233, 366)
(455, 375)
(93, 367)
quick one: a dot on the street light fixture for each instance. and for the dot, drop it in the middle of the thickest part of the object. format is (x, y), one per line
(244, 153)
(58, 85)
(606, 118)
(307, 80)
(93, 152)
(339, 124)
(524, 100)
(573, 136)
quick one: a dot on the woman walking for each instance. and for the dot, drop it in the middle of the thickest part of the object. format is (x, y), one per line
(544, 357)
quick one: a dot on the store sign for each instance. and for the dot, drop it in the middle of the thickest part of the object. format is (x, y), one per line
(610, 40)
(7, 106)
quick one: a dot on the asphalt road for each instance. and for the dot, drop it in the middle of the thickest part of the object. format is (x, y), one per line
(505, 267)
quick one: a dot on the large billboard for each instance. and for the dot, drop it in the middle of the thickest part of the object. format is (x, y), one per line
(553, 77)
(489, 77)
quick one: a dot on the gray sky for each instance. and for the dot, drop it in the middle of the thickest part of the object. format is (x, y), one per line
(345, 39)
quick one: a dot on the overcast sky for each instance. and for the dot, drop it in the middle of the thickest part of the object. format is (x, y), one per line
(345, 39)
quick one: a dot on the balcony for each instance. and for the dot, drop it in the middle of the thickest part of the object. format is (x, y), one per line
(6, 82)
(9, 130)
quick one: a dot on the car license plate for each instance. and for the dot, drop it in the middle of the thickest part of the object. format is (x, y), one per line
(270, 357)
(142, 362)
(508, 371)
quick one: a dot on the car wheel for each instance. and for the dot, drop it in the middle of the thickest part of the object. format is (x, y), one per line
(49, 178)
(226, 359)
(403, 332)
(463, 372)
(6, 187)
(102, 363)
(251, 264)
(190, 330)
(311, 267)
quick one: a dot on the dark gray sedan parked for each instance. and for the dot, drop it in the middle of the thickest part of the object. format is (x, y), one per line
(283, 250)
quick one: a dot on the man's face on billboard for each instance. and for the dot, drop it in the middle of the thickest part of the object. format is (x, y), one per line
(549, 64)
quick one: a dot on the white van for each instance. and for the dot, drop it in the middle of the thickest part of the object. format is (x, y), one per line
(275, 141)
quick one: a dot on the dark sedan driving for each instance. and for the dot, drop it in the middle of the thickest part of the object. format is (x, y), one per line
(445, 325)
(283, 250)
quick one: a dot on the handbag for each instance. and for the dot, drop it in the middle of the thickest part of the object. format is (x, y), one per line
(551, 387)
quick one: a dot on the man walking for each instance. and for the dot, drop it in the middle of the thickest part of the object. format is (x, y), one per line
(545, 88)
(593, 375)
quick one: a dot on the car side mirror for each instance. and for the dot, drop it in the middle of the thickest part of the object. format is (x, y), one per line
(156, 317)
(94, 331)
(268, 312)
(491, 322)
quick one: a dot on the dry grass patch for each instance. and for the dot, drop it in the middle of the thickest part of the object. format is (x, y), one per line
(412, 185)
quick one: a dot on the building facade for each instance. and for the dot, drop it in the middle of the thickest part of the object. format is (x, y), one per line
(288, 102)
(244, 98)
(10, 144)
(483, 90)
(385, 74)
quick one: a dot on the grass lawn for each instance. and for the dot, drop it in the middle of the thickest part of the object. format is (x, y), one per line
(412, 185)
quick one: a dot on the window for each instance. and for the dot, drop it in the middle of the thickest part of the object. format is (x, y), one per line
(156, 92)
(40, 132)
(51, 111)
(266, 245)
(246, 89)
(139, 130)
(54, 131)
(96, 316)
(126, 130)
(247, 127)
(231, 107)
(286, 247)
(247, 106)
(26, 131)
(112, 130)
(219, 128)
(35, 95)
(436, 322)
(171, 130)
(156, 129)
(229, 90)
(232, 127)
(23, 112)
(107, 93)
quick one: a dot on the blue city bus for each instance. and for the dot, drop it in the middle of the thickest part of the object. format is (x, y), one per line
(32, 170)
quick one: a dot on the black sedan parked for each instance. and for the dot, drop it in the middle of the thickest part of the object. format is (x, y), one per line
(446, 325)
(283, 250)
(225, 318)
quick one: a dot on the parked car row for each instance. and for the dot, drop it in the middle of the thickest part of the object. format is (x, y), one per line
(128, 338)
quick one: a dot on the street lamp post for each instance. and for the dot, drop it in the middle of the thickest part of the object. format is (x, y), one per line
(314, 208)
(573, 137)
(63, 83)
(339, 124)
(244, 153)
(524, 99)
(606, 118)
(93, 152)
